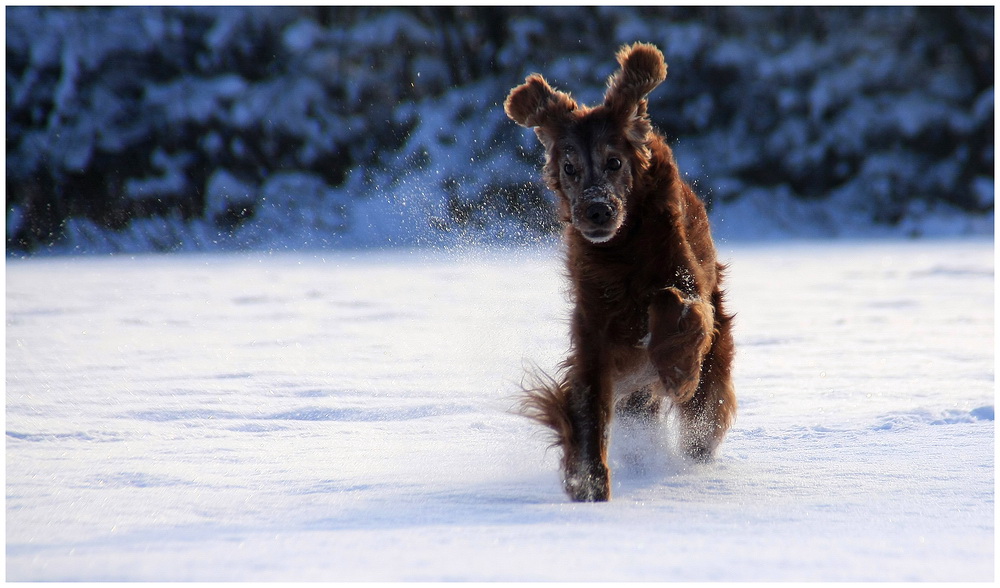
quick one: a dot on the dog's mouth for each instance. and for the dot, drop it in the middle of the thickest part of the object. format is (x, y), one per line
(597, 235)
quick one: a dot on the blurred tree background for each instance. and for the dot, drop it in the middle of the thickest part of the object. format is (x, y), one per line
(227, 125)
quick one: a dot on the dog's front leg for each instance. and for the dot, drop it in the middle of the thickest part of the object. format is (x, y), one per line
(680, 333)
(586, 476)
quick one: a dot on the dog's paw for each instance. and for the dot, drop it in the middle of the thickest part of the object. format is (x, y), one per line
(588, 483)
(699, 442)
(680, 380)
(678, 363)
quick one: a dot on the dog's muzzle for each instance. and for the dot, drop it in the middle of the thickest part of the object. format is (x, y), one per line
(598, 214)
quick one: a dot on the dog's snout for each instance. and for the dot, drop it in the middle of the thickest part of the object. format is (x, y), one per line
(600, 213)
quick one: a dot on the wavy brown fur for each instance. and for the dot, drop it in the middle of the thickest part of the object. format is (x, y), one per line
(649, 321)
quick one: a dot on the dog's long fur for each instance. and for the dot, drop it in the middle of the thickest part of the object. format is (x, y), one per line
(649, 320)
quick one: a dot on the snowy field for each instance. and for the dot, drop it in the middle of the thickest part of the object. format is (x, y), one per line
(344, 416)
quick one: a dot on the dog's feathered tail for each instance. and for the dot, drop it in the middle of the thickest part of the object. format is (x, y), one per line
(546, 400)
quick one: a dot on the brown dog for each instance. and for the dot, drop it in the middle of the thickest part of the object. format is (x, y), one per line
(648, 321)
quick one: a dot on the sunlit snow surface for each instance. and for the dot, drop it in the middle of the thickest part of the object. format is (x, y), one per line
(344, 416)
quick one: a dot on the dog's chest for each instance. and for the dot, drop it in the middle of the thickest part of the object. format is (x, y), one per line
(615, 286)
(624, 307)
(627, 321)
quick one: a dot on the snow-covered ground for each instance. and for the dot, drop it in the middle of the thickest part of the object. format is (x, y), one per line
(344, 416)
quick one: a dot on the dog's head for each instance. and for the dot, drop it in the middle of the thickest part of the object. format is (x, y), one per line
(593, 155)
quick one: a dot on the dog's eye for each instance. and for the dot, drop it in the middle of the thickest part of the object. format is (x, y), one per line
(569, 169)
(614, 164)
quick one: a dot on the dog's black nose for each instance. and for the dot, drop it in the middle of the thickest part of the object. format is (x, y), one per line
(600, 213)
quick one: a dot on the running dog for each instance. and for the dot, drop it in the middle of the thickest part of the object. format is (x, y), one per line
(648, 322)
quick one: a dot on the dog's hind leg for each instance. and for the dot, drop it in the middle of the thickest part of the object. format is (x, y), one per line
(707, 416)
(638, 424)
(639, 407)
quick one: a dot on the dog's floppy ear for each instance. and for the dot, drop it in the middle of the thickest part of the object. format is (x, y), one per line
(642, 70)
(535, 104)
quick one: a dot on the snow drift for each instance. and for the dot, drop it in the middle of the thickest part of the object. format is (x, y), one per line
(344, 416)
